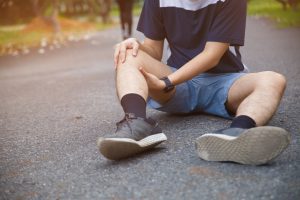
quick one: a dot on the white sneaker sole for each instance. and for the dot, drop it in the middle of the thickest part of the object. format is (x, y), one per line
(255, 146)
(119, 148)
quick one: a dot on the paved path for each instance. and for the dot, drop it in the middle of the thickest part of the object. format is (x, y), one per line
(54, 106)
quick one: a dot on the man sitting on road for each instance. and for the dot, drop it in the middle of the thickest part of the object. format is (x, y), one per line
(204, 73)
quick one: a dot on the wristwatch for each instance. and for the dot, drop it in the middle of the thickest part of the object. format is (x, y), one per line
(169, 86)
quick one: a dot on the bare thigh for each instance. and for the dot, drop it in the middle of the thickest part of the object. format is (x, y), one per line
(266, 85)
(240, 89)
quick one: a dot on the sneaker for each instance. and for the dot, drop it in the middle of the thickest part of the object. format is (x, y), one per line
(134, 135)
(255, 146)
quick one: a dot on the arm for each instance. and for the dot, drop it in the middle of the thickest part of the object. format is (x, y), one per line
(153, 47)
(206, 60)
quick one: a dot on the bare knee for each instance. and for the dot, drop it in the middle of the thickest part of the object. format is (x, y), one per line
(131, 60)
(271, 80)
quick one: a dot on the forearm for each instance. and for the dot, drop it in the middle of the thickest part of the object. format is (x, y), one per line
(197, 65)
(150, 51)
(205, 61)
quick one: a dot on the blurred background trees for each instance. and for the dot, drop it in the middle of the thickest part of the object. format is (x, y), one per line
(284, 12)
(52, 23)
(29, 23)
(22, 11)
(289, 3)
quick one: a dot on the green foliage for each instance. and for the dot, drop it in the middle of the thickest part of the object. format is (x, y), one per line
(272, 9)
(20, 39)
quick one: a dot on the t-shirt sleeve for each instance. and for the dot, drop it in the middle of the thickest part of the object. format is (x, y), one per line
(151, 22)
(229, 23)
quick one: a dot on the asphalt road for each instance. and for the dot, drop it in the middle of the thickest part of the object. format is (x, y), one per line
(54, 106)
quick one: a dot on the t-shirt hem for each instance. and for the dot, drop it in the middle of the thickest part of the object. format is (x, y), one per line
(150, 36)
(231, 41)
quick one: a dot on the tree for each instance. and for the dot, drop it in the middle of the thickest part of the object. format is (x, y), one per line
(40, 7)
(292, 3)
(20, 11)
(105, 7)
(15, 11)
(90, 7)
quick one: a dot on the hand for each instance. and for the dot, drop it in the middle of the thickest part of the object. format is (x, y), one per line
(121, 48)
(153, 82)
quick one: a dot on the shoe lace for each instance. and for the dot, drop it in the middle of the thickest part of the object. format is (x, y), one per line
(126, 121)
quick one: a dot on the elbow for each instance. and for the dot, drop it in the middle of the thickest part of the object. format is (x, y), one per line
(158, 57)
(215, 52)
(213, 59)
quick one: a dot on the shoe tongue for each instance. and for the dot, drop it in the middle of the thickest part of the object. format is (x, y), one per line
(150, 121)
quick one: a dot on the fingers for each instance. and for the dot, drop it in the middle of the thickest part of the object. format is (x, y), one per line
(152, 81)
(122, 54)
(121, 48)
(116, 55)
(144, 72)
(135, 48)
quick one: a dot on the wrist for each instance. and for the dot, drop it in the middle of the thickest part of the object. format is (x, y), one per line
(169, 86)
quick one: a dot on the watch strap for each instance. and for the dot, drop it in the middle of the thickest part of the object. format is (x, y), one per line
(169, 86)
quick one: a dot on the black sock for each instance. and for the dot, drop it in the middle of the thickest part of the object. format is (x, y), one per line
(243, 121)
(134, 103)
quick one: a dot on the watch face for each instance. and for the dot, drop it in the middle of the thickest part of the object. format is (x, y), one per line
(169, 88)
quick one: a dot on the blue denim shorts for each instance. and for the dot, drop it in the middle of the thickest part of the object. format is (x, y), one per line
(206, 93)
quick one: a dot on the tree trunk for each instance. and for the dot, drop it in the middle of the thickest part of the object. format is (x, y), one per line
(283, 3)
(91, 4)
(292, 3)
(54, 15)
(105, 6)
(39, 8)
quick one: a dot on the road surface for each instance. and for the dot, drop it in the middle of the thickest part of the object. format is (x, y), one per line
(55, 105)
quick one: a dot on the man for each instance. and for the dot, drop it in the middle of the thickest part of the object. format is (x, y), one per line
(125, 8)
(204, 72)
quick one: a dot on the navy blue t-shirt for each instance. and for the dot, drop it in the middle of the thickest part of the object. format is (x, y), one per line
(189, 24)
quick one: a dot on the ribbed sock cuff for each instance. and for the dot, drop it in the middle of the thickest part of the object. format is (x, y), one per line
(243, 121)
(134, 103)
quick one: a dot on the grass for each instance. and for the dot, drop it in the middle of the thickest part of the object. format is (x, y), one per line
(273, 10)
(17, 38)
(10, 36)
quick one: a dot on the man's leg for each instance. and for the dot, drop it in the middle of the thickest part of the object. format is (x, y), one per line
(254, 98)
(129, 79)
(135, 133)
(256, 95)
